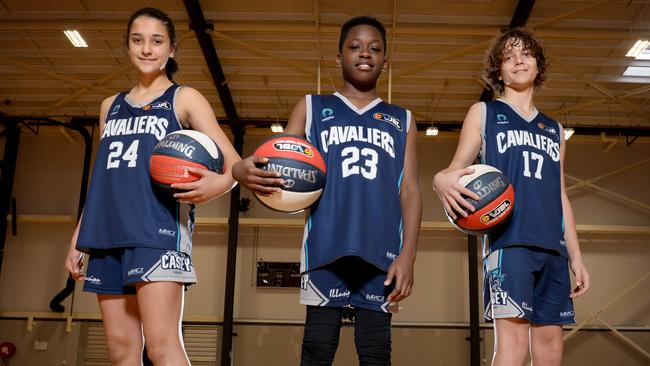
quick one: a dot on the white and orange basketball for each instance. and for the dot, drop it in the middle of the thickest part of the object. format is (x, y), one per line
(302, 168)
(178, 151)
(497, 200)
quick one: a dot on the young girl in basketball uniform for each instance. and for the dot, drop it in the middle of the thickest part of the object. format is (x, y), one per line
(527, 289)
(360, 237)
(139, 240)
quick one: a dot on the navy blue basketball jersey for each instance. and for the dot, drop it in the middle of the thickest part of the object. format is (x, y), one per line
(527, 151)
(359, 212)
(123, 208)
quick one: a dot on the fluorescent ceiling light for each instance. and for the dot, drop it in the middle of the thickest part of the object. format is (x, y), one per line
(637, 71)
(568, 132)
(75, 38)
(432, 131)
(277, 128)
(639, 47)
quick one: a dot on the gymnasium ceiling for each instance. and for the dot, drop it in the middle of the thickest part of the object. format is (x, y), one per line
(273, 51)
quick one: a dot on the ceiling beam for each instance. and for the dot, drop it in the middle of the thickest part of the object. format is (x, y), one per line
(564, 111)
(201, 28)
(610, 95)
(467, 50)
(55, 75)
(306, 28)
(260, 52)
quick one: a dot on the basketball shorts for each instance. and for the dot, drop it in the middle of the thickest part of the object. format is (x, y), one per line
(114, 271)
(529, 283)
(349, 281)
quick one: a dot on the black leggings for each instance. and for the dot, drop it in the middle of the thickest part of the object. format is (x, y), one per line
(322, 330)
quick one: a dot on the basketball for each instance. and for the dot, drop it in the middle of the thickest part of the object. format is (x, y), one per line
(180, 150)
(497, 199)
(302, 168)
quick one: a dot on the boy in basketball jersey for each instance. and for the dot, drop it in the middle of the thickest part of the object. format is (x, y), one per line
(527, 289)
(360, 237)
(139, 242)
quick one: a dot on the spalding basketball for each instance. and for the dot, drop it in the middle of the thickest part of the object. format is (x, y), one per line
(496, 202)
(302, 168)
(180, 150)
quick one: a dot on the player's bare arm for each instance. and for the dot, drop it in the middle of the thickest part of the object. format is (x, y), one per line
(445, 182)
(195, 112)
(580, 273)
(411, 200)
(248, 173)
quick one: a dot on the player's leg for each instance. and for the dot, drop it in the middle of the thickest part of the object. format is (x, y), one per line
(321, 336)
(372, 334)
(123, 330)
(325, 293)
(509, 290)
(372, 337)
(546, 345)
(159, 277)
(553, 307)
(118, 306)
(161, 310)
(511, 341)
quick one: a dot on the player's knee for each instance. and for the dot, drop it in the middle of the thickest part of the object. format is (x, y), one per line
(373, 337)
(123, 349)
(548, 351)
(160, 345)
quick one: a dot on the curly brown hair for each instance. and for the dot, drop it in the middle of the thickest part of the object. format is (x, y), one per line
(494, 57)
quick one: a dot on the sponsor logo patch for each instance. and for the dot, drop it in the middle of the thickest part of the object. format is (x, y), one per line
(375, 298)
(293, 146)
(335, 293)
(158, 105)
(390, 119)
(327, 113)
(502, 119)
(115, 110)
(135, 271)
(497, 212)
(167, 232)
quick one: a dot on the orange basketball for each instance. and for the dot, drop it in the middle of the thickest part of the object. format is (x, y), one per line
(496, 202)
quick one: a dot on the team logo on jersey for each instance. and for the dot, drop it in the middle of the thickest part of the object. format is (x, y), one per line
(159, 105)
(115, 110)
(497, 212)
(502, 119)
(327, 113)
(390, 119)
(295, 147)
(546, 128)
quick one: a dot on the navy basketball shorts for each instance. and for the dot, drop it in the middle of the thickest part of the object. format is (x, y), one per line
(529, 283)
(114, 271)
(349, 281)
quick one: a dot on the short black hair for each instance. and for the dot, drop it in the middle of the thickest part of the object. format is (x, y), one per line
(361, 20)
